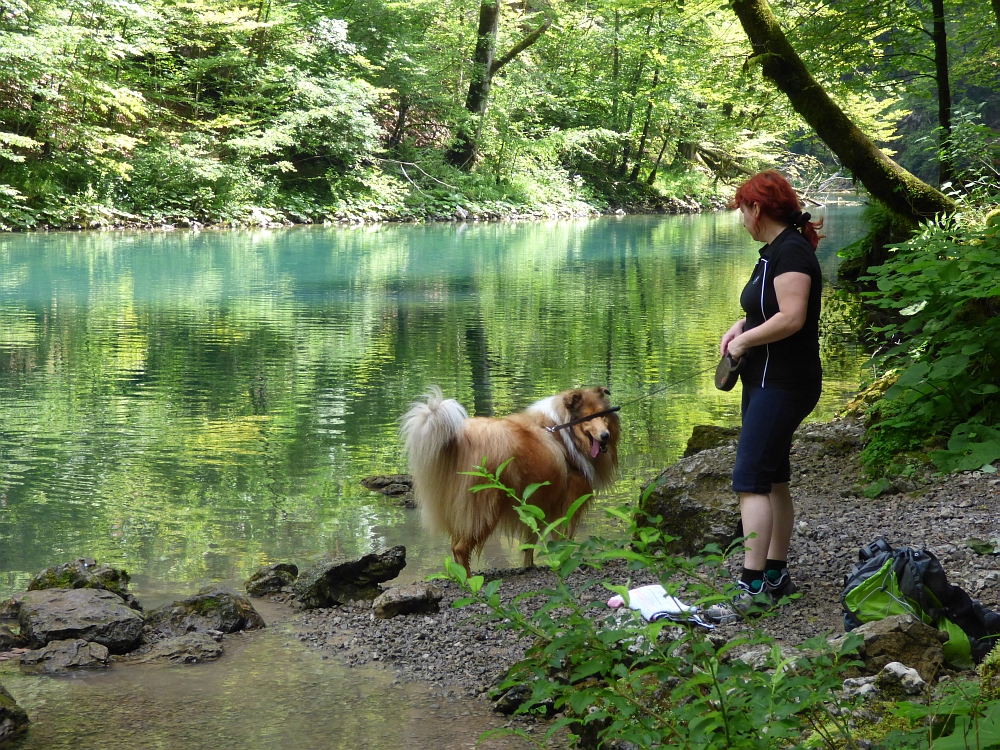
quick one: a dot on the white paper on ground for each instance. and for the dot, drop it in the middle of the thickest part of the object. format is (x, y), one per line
(653, 603)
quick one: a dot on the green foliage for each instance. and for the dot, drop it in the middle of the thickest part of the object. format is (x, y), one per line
(941, 288)
(654, 684)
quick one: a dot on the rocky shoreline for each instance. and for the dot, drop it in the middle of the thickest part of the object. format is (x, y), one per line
(263, 218)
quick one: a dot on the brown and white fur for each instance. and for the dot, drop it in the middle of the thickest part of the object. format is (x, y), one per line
(441, 441)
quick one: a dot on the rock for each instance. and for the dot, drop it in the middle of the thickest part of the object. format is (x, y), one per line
(461, 214)
(336, 580)
(896, 680)
(91, 614)
(760, 658)
(62, 656)
(694, 497)
(414, 598)
(13, 719)
(212, 608)
(191, 648)
(9, 639)
(85, 573)
(860, 686)
(9, 608)
(901, 638)
(396, 486)
(271, 578)
(707, 436)
(511, 700)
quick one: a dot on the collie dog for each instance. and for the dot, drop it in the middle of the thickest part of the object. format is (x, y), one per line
(441, 441)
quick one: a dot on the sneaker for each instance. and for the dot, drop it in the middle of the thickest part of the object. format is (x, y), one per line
(745, 603)
(781, 587)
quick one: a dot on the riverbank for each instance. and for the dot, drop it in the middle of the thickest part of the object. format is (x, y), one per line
(460, 650)
(100, 217)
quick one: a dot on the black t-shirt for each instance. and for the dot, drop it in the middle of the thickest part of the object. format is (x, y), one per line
(792, 362)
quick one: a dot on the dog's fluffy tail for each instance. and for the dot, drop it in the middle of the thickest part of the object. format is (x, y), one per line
(429, 430)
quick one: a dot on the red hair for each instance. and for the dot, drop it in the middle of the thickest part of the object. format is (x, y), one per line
(777, 199)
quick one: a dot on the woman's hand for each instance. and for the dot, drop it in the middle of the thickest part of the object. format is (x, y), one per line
(737, 348)
(725, 346)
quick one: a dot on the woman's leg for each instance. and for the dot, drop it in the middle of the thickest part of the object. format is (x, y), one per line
(758, 519)
(782, 521)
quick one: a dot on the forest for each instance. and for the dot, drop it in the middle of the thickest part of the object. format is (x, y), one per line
(222, 112)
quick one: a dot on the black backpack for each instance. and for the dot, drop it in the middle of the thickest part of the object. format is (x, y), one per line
(888, 581)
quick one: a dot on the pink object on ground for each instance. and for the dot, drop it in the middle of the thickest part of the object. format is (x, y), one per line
(616, 601)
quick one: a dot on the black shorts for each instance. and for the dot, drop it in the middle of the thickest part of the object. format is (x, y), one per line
(770, 417)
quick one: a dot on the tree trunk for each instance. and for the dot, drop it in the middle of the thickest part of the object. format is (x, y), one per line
(940, 36)
(996, 12)
(884, 179)
(397, 132)
(627, 146)
(464, 153)
(645, 131)
(651, 177)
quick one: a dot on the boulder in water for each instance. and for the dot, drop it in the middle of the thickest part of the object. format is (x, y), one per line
(413, 598)
(9, 639)
(91, 614)
(336, 580)
(64, 656)
(85, 573)
(13, 719)
(270, 579)
(191, 648)
(397, 486)
(212, 608)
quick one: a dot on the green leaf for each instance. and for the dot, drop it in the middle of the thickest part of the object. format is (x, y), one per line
(531, 488)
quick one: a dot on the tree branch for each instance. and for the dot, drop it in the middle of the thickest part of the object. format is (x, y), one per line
(521, 46)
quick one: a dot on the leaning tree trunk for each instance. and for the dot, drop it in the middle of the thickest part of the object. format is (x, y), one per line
(884, 179)
(940, 36)
(645, 131)
(465, 151)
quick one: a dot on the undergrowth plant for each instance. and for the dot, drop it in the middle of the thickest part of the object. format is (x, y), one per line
(615, 676)
(942, 287)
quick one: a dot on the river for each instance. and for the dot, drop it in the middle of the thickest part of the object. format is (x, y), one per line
(190, 406)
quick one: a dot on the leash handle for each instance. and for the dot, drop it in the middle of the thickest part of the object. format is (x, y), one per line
(579, 420)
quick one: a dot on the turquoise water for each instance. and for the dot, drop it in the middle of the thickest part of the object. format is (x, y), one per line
(192, 405)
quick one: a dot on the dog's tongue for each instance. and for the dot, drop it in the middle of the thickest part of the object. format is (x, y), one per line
(595, 448)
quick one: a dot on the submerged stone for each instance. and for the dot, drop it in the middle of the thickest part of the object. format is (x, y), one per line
(13, 719)
(270, 579)
(64, 656)
(212, 608)
(85, 573)
(91, 614)
(191, 648)
(337, 580)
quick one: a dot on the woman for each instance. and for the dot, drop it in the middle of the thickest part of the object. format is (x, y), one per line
(778, 341)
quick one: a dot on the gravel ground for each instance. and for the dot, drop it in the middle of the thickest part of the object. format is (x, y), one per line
(458, 653)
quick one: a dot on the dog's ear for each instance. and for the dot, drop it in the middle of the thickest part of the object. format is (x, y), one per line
(573, 400)
(604, 391)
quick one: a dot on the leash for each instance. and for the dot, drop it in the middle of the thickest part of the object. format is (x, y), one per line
(613, 409)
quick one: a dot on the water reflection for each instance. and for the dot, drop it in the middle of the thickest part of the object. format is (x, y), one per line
(267, 691)
(193, 405)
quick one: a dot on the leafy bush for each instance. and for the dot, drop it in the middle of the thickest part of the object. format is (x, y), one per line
(187, 180)
(942, 288)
